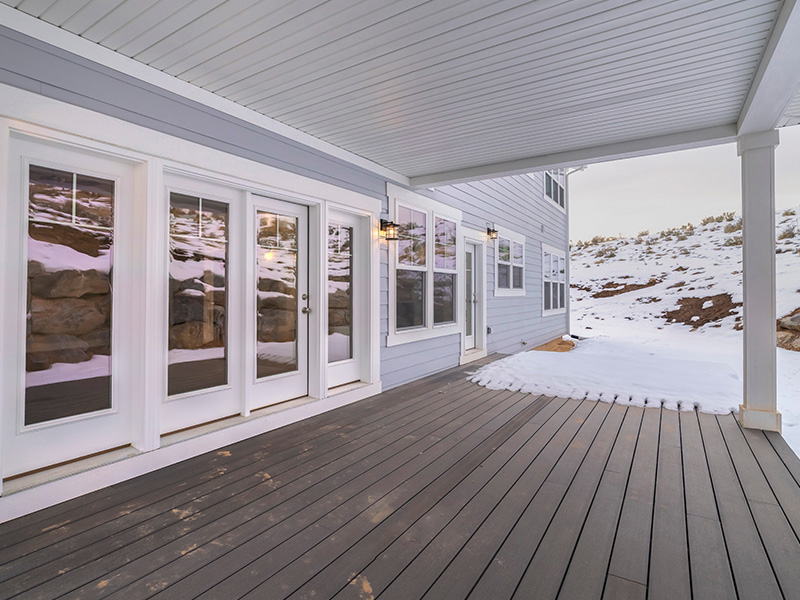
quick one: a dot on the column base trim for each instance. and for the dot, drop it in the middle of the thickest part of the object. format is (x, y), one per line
(759, 419)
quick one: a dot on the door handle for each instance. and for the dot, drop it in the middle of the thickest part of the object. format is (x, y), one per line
(306, 310)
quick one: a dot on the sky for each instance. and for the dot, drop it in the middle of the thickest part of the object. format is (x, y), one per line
(655, 192)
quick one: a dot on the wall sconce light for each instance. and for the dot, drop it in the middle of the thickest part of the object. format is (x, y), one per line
(491, 232)
(389, 229)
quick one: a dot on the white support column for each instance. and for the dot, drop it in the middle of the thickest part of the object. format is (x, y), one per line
(760, 408)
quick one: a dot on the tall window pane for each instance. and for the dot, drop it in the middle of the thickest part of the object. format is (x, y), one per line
(468, 274)
(340, 293)
(198, 298)
(276, 322)
(70, 259)
(444, 244)
(410, 299)
(411, 234)
(444, 298)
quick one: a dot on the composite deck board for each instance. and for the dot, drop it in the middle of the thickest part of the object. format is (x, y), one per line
(248, 486)
(215, 475)
(438, 489)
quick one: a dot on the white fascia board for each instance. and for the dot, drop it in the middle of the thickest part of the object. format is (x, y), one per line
(55, 36)
(686, 140)
(777, 79)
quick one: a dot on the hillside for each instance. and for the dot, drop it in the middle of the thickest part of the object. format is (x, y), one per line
(687, 277)
(659, 317)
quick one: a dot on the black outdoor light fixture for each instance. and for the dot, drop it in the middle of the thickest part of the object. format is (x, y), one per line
(491, 232)
(389, 229)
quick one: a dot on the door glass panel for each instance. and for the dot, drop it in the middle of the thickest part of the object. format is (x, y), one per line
(340, 293)
(469, 292)
(276, 283)
(70, 258)
(198, 298)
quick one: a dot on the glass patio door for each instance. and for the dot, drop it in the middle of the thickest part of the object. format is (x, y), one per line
(69, 219)
(281, 300)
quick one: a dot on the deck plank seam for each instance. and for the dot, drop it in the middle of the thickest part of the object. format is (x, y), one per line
(716, 504)
(750, 508)
(622, 504)
(655, 490)
(685, 507)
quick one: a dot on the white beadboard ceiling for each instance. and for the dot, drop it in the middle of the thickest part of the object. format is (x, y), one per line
(444, 86)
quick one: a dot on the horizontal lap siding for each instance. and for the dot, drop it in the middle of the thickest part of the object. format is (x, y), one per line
(517, 203)
(38, 67)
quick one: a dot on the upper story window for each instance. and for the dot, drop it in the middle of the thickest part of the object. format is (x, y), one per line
(554, 280)
(553, 187)
(510, 264)
(424, 283)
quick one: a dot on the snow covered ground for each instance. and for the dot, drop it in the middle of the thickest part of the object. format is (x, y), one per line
(661, 316)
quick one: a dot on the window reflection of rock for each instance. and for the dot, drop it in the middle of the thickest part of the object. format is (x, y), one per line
(70, 257)
(197, 293)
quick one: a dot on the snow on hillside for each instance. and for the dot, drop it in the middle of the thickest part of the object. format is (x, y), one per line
(660, 314)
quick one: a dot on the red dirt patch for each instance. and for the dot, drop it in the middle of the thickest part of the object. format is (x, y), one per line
(691, 311)
(619, 288)
(556, 345)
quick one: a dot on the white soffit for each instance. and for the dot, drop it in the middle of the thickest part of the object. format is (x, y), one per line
(439, 86)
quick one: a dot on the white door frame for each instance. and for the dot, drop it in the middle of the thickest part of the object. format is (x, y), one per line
(477, 239)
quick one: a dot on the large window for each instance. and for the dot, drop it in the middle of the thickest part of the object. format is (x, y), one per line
(425, 273)
(554, 280)
(510, 263)
(553, 187)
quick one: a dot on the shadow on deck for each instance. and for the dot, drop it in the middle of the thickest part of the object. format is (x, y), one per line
(439, 489)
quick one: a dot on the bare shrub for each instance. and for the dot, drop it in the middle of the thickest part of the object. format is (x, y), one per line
(736, 240)
(735, 226)
(788, 233)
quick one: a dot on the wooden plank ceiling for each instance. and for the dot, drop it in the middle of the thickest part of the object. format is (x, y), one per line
(431, 86)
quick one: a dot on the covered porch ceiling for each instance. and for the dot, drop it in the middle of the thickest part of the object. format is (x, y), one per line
(442, 91)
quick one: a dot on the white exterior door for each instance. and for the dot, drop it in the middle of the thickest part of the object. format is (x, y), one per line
(470, 297)
(278, 321)
(69, 372)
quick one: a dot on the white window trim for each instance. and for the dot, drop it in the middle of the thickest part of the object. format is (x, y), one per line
(561, 254)
(432, 209)
(514, 236)
(556, 175)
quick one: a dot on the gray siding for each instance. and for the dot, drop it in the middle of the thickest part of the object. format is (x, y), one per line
(517, 203)
(41, 68)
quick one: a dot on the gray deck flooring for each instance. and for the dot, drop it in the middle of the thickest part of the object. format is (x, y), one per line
(440, 489)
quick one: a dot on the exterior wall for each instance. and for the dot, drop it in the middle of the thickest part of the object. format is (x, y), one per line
(517, 203)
